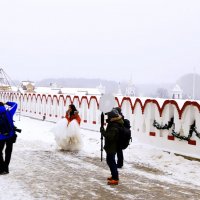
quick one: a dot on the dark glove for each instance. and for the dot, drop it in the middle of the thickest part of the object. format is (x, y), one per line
(107, 120)
(102, 130)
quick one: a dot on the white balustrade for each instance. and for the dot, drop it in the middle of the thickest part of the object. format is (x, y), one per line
(142, 113)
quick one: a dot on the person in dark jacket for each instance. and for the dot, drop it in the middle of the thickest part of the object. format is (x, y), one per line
(111, 135)
(7, 139)
(120, 156)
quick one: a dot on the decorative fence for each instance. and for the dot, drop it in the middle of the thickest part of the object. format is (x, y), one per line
(170, 125)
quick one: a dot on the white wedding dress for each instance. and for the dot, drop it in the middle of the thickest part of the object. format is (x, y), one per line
(68, 137)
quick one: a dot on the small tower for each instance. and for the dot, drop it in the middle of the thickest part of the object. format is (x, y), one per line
(177, 92)
(119, 91)
(130, 89)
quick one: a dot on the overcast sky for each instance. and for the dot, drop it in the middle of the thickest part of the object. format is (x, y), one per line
(151, 40)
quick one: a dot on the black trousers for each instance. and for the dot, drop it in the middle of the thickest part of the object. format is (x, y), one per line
(120, 158)
(5, 160)
(110, 158)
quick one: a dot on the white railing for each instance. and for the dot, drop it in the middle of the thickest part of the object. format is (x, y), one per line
(171, 125)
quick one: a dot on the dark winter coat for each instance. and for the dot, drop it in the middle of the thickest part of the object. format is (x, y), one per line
(111, 134)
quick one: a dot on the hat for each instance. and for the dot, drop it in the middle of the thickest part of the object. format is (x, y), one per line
(119, 110)
(112, 114)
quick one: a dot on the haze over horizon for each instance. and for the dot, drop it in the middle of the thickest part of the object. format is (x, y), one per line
(149, 41)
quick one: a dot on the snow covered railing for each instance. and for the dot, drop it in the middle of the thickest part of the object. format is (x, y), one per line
(171, 125)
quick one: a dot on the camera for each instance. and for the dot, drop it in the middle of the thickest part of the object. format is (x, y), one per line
(17, 129)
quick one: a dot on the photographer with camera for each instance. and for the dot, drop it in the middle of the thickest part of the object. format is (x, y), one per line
(7, 134)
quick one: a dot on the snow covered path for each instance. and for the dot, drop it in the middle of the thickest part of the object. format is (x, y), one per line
(38, 170)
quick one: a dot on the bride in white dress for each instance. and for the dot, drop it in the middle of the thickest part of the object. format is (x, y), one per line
(67, 131)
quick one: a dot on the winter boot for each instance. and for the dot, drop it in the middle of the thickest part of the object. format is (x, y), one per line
(6, 169)
(113, 182)
(109, 178)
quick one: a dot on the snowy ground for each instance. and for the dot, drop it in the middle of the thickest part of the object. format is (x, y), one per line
(39, 170)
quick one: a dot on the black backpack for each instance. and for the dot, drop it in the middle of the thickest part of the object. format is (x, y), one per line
(5, 126)
(125, 134)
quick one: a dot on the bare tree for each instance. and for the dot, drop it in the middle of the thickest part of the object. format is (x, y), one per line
(162, 93)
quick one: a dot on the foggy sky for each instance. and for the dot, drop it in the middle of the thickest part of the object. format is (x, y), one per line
(149, 40)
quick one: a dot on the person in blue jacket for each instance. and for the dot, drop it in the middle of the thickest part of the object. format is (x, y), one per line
(9, 138)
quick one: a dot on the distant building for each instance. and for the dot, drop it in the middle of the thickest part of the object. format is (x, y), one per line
(28, 86)
(53, 85)
(130, 89)
(5, 87)
(68, 91)
(177, 92)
